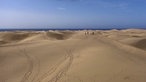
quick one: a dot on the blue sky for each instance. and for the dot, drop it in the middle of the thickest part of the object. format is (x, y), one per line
(72, 13)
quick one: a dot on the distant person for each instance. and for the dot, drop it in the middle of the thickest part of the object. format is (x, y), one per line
(87, 33)
(92, 33)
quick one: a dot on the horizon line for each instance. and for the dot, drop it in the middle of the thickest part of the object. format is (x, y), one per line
(45, 29)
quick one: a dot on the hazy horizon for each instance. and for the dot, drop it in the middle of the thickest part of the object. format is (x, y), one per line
(98, 14)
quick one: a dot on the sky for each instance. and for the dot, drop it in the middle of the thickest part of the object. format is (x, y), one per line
(72, 14)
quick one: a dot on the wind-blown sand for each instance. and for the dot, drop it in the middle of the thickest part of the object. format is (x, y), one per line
(73, 56)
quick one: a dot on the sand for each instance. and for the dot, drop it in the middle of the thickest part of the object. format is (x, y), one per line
(73, 56)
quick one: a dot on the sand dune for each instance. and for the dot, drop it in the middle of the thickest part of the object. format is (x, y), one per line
(72, 56)
(59, 35)
(9, 37)
(140, 44)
